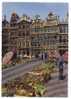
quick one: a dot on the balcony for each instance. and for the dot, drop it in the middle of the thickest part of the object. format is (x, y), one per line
(35, 33)
(63, 33)
(62, 43)
(51, 31)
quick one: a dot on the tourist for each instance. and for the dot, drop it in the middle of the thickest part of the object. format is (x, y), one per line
(61, 63)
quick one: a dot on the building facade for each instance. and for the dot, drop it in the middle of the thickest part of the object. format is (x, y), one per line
(32, 37)
(5, 36)
(18, 35)
(50, 35)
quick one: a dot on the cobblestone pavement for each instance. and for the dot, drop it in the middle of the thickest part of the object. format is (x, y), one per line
(56, 87)
(17, 71)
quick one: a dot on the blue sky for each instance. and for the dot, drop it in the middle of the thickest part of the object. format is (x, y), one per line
(31, 9)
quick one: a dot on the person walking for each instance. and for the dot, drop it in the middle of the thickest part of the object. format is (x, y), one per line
(61, 65)
(46, 57)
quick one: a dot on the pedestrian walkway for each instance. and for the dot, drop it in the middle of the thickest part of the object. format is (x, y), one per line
(56, 87)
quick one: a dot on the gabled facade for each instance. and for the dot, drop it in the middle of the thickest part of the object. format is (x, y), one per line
(35, 36)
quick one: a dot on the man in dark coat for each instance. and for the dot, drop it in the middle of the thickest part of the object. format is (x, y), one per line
(61, 65)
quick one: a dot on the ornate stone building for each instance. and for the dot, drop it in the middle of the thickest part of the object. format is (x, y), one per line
(37, 35)
(49, 35)
(17, 34)
(24, 36)
(5, 36)
(33, 37)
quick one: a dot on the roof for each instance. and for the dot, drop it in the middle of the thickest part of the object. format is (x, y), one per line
(24, 18)
(5, 22)
(63, 22)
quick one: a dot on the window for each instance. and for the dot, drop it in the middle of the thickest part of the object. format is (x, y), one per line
(45, 29)
(20, 26)
(64, 29)
(19, 33)
(23, 26)
(27, 33)
(23, 34)
(33, 29)
(60, 39)
(27, 44)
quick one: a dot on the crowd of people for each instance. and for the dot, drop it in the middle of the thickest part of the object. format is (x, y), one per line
(59, 59)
